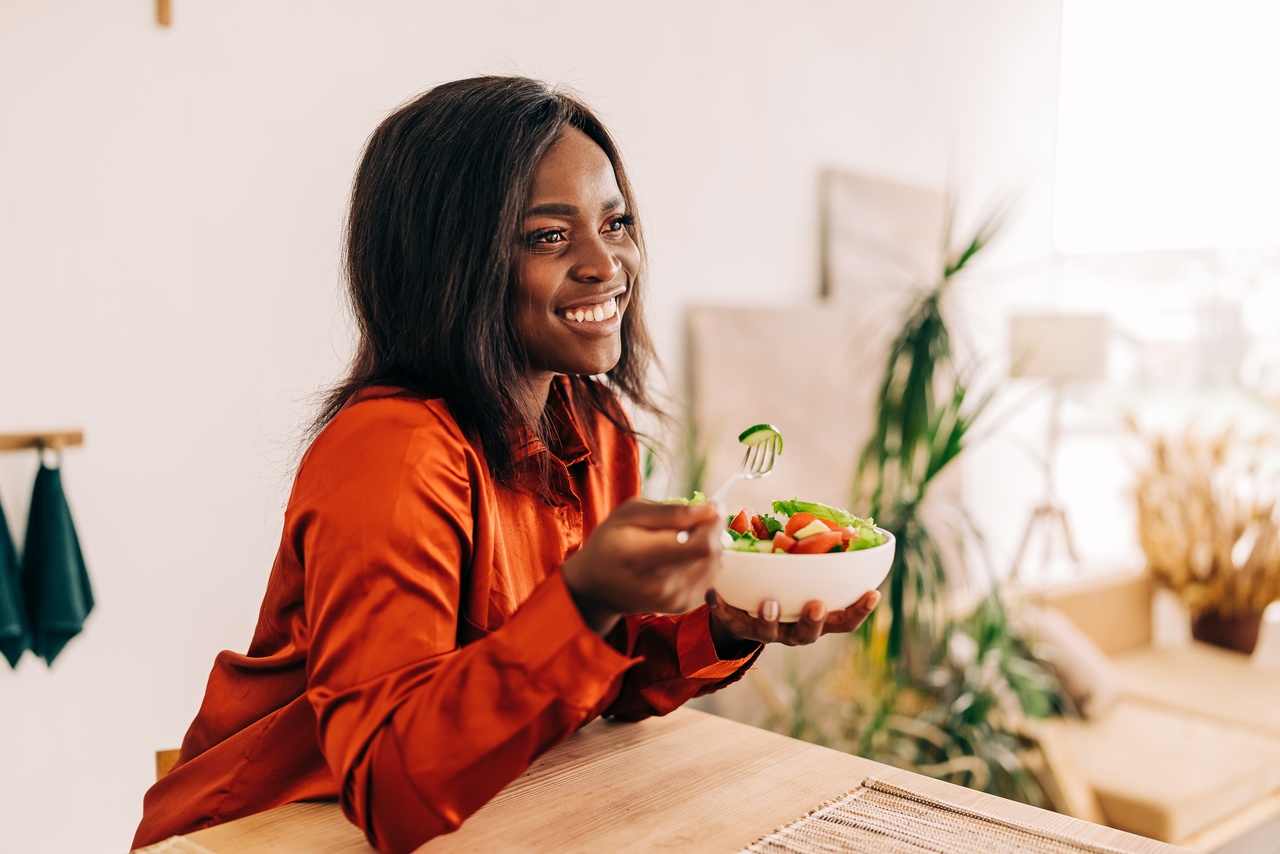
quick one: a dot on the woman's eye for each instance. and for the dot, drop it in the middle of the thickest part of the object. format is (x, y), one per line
(545, 235)
(621, 223)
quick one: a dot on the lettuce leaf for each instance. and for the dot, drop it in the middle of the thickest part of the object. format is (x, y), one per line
(868, 536)
(771, 524)
(822, 511)
(698, 498)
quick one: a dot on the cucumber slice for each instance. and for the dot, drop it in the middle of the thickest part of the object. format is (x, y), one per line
(762, 434)
(815, 527)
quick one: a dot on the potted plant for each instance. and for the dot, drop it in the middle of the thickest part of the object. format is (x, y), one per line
(1208, 525)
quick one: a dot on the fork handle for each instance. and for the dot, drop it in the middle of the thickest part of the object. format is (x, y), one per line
(718, 496)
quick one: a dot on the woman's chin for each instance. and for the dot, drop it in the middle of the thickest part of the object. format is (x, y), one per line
(592, 367)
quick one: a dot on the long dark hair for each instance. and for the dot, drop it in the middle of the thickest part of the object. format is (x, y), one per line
(431, 257)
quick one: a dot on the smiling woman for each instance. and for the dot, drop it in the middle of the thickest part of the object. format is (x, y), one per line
(573, 283)
(465, 575)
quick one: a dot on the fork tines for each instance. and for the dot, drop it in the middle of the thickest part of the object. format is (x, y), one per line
(759, 458)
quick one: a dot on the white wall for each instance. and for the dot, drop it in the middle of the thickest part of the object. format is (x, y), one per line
(170, 213)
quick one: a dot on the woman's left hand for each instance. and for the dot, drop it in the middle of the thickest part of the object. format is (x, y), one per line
(729, 624)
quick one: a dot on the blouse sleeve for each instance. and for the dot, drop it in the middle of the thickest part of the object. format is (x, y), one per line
(421, 732)
(676, 661)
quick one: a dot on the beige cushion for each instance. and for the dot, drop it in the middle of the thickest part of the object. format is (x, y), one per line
(1206, 681)
(1087, 676)
(1167, 775)
(1114, 610)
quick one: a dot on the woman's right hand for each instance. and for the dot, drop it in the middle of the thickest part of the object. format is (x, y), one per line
(645, 558)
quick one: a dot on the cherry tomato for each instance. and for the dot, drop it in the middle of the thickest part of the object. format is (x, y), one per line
(758, 527)
(797, 522)
(742, 522)
(783, 543)
(818, 544)
(847, 533)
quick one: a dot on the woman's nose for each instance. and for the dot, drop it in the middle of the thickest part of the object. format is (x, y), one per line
(596, 262)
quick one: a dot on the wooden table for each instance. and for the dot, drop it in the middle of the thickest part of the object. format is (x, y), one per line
(688, 782)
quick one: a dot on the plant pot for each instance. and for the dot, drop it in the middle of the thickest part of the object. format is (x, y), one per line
(1236, 633)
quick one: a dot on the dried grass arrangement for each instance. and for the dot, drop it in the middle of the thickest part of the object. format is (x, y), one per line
(1208, 525)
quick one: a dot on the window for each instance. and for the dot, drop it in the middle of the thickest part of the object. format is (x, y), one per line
(1169, 125)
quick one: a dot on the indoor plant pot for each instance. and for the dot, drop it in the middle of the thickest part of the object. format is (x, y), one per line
(1237, 632)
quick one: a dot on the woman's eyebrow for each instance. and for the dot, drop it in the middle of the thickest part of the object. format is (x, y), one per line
(552, 209)
(561, 209)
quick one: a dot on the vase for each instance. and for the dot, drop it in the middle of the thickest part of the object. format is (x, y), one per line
(1239, 633)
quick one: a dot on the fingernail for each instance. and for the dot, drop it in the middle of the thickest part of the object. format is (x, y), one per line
(818, 615)
(711, 598)
(873, 599)
(769, 611)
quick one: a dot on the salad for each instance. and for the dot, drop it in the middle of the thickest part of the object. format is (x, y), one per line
(797, 527)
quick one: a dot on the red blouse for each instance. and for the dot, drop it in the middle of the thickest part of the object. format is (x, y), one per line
(417, 647)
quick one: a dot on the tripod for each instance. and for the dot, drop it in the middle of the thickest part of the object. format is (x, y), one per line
(1048, 518)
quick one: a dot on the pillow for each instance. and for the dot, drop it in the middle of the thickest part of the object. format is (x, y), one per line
(1087, 676)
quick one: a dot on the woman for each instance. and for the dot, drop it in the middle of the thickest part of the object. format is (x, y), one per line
(465, 576)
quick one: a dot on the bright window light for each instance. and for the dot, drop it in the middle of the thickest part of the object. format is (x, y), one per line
(1168, 125)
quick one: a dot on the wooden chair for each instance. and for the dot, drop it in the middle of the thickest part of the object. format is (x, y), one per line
(165, 760)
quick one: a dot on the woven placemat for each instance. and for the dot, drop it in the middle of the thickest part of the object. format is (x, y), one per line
(879, 816)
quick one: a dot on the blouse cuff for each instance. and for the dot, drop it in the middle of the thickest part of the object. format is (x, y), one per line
(548, 636)
(697, 650)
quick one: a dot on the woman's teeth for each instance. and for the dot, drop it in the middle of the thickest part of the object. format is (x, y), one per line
(593, 313)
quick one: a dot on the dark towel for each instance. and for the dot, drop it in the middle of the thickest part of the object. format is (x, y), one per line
(15, 635)
(54, 578)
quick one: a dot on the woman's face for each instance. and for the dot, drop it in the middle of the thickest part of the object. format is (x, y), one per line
(577, 262)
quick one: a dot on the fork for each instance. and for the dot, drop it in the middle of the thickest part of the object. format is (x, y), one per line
(756, 462)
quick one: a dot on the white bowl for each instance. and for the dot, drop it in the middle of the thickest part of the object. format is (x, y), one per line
(837, 580)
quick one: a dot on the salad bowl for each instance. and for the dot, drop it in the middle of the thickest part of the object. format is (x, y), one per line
(837, 580)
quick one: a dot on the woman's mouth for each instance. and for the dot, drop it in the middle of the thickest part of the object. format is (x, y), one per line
(592, 313)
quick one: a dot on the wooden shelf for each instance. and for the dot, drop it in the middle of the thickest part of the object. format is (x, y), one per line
(53, 439)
